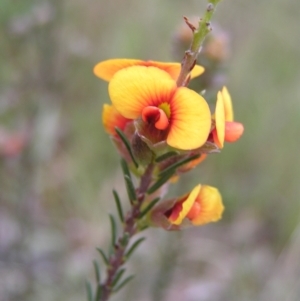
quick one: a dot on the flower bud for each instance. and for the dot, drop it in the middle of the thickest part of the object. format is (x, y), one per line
(233, 131)
(201, 206)
(141, 152)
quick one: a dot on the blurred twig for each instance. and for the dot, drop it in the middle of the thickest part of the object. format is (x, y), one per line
(199, 35)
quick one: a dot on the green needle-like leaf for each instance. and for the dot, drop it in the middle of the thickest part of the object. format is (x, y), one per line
(133, 247)
(89, 291)
(149, 207)
(166, 156)
(127, 145)
(130, 189)
(118, 277)
(119, 206)
(123, 283)
(178, 164)
(161, 181)
(125, 239)
(98, 292)
(129, 185)
(125, 168)
(97, 270)
(104, 257)
(113, 230)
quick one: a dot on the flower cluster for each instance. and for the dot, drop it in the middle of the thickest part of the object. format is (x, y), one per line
(169, 126)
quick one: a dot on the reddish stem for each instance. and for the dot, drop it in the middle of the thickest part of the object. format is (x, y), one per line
(117, 258)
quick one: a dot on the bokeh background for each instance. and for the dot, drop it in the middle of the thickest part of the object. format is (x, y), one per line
(58, 167)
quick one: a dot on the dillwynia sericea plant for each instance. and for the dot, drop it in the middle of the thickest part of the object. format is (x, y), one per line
(161, 129)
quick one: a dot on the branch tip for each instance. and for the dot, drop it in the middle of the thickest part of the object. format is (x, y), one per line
(210, 7)
(189, 24)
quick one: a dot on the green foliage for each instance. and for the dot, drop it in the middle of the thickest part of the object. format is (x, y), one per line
(149, 207)
(89, 291)
(103, 255)
(129, 184)
(174, 166)
(118, 276)
(97, 271)
(134, 247)
(166, 156)
(127, 145)
(123, 283)
(161, 181)
(113, 230)
(119, 206)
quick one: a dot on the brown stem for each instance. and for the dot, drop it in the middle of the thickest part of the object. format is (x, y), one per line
(190, 57)
(117, 258)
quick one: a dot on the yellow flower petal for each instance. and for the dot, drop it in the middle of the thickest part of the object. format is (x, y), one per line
(134, 88)
(220, 120)
(227, 105)
(190, 120)
(107, 69)
(174, 68)
(111, 118)
(187, 205)
(210, 201)
(198, 70)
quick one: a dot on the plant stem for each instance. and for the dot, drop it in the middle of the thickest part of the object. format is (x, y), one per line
(199, 35)
(117, 258)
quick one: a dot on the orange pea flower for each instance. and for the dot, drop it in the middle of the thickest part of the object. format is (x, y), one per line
(107, 69)
(151, 94)
(201, 206)
(225, 128)
(111, 119)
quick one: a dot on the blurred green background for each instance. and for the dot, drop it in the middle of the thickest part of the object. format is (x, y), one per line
(58, 167)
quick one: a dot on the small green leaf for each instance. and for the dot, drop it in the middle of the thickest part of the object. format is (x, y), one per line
(113, 229)
(133, 247)
(125, 239)
(127, 145)
(166, 156)
(130, 189)
(98, 292)
(97, 270)
(178, 164)
(125, 281)
(104, 257)
(129, 185)
(118, 277)
(161, 181)
(119, 206)
(125, 168)
(89, 291)
(149, 207)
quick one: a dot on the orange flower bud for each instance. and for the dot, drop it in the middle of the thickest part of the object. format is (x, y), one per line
(233, 131)
(201, 206)
(225, 128)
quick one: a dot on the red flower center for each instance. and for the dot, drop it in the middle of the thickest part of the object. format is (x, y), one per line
(156, 116)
